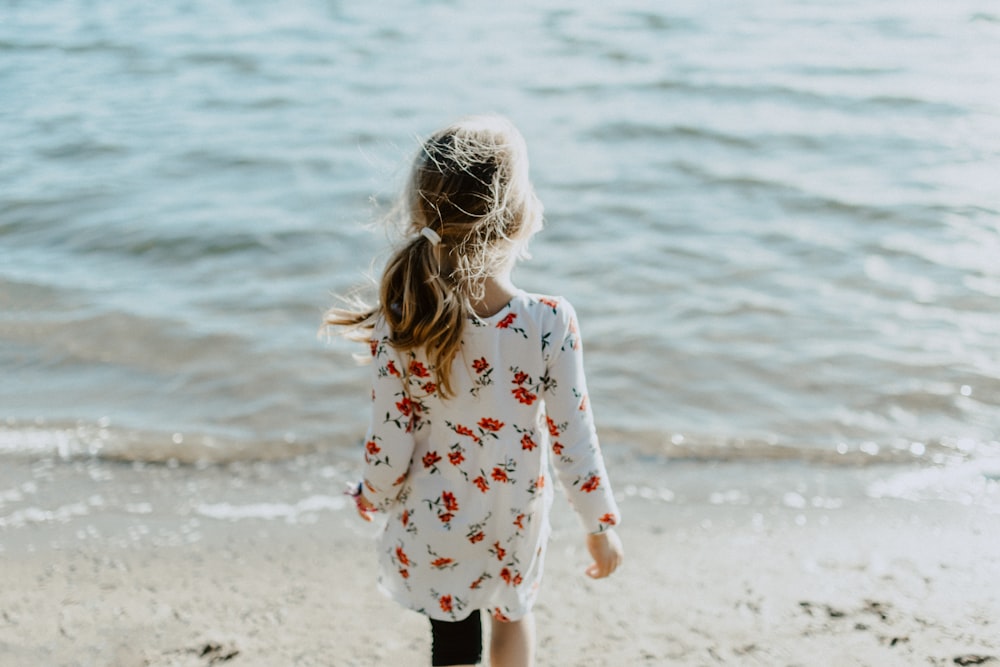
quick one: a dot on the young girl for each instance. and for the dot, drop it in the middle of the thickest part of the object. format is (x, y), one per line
(476, 387)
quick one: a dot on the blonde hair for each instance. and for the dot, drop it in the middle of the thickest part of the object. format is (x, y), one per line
(469, 184)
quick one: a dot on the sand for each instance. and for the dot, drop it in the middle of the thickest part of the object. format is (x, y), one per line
(721, 581)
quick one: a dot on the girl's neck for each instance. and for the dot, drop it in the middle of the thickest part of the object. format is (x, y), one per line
(498, 291)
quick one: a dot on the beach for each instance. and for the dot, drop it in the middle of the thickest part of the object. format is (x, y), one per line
(783, 254)
(714, 575)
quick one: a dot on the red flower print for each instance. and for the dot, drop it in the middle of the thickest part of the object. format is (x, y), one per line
(540, 482)
(374, 346)
(557, 447)
(465, 430)
(400, 480)
(445, 603)
(490, 424)
(500, 551)
(405, 574)
(475, 584)
(505, 575)
(441, 562)
(551, 303)
(527, 443)
(481, 483)
(553, 429)
(478, 537)
(499, 474)
(518, 579)
(405, 518)
(520, 377)
(456, 458)
(480, 365)
(583, 404)
(591, 484)
(372, 448)
(608, 519)
(450, 503)
(523, 395)
(446, 517)
(499, 615)
(418, 369)
(506, 321)
(405, 407)
(391, 368)
(519, 521)
(401, 556)
(430, 387)
(430, 459)
(368, 485)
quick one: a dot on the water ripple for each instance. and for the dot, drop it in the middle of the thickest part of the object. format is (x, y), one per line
(795, 253)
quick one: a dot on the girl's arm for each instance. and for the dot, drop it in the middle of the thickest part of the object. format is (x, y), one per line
(576, 454)
(389, 442)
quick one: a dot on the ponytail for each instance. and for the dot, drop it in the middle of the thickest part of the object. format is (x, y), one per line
(422, 309)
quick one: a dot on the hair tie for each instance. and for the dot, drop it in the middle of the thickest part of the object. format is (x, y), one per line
(430, 235)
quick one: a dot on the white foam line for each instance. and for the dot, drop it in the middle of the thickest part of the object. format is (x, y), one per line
(290, 513)
(974, 483)
(37, 515)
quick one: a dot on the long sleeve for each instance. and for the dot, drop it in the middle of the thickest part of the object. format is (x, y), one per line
(389, 442)
(576, 454)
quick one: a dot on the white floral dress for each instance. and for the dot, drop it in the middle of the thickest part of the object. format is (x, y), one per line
(465, 482)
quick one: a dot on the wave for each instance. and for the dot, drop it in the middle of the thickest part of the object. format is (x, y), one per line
(129, 51)
(183, 247)
(971, 483)
(627, 131)
(32, 215)
(807, 98)
(264, 102)
(711, 450)
(983, 17)
(19, 295)
(82, 148)
(170, 245)
(70, 441)
(800, 200)
(98, 440)
(236, 62)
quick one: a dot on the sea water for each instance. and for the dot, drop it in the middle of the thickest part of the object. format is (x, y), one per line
(779, 222)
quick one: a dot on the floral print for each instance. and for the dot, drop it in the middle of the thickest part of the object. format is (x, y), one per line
(463, 480)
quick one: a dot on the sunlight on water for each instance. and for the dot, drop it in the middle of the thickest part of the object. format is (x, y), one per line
(774, 257)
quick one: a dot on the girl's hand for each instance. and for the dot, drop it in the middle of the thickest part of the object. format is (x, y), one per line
(607, 551)
(364, 507)
(361, 504)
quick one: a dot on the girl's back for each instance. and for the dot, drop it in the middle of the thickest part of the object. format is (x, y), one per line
(470, 523)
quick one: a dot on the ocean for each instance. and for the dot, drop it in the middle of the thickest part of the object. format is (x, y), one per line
(779, 222)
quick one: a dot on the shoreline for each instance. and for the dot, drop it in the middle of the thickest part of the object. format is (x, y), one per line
(709, 579)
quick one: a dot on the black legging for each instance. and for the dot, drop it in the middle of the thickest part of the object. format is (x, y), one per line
(457, 642)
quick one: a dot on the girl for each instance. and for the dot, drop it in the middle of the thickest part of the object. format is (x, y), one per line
(476, 387)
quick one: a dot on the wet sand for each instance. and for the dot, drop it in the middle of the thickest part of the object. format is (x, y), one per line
(716, 582)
